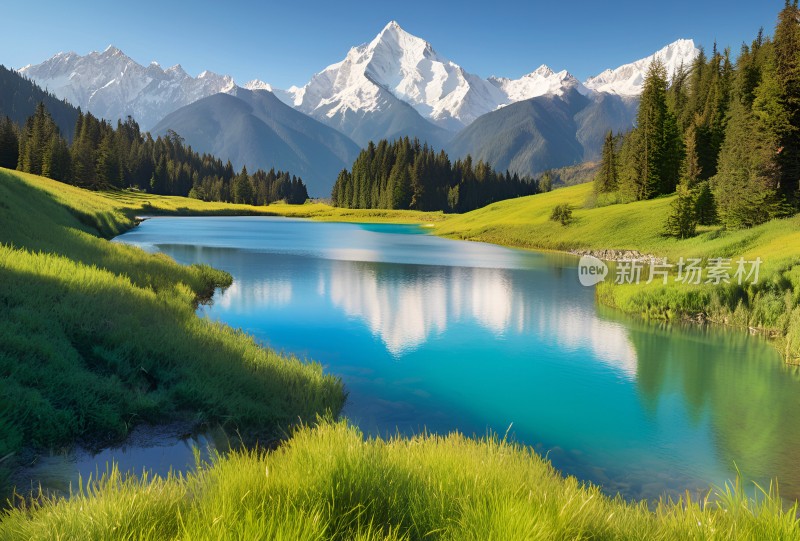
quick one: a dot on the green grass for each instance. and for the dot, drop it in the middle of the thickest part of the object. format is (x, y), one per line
(524, 223)
(96, 337)
(330, 483)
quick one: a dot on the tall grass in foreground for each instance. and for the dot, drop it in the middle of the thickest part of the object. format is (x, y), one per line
(330, 483)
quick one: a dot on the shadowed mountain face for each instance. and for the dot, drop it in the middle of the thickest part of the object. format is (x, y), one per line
(545, 132)
(257, 130)
(19, 97)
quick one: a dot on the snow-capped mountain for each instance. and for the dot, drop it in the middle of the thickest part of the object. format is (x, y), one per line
(628, 80)
(112, 85)
(397, 66)
(396, 85)
(410, 70)
(540, 82)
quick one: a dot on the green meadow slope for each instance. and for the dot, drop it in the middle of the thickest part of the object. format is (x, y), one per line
(96, 337)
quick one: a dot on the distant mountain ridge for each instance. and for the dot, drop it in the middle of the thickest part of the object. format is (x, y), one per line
(111, 85)
(545, 132)
(399, 66)
(627, 80)
(372, 78)
(396, 85)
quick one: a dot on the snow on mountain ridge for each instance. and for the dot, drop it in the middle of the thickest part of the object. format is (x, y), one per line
(408, 68)
(628, 79)
(392, 72)
(112, 85)
(542, 81)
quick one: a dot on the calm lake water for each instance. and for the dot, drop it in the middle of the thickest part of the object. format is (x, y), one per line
(441, 335)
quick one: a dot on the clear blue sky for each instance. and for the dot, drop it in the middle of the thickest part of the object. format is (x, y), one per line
(285, 42)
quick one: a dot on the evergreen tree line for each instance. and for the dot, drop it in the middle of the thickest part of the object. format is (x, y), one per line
(101, 157)
(723, 135)
(404, 174)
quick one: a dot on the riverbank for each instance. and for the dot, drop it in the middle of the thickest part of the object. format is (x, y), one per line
(770, 307)
(99, 336)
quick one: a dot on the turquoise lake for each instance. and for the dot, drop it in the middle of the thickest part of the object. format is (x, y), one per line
(442, 335)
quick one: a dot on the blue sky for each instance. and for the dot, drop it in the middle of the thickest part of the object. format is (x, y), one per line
(285, 43)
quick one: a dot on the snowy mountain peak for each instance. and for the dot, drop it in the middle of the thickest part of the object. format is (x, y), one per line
(393, 40)
(397, 65)
(177, 70)
(627, 80)
(542, 71)
(257, 84)
(392, 27)
(542, 81)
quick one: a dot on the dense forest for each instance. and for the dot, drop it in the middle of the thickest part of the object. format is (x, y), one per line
(98, 156)
(405, 174)
(722, 134)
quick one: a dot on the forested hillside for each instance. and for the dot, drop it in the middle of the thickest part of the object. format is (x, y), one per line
(723, 133)
(101, 156)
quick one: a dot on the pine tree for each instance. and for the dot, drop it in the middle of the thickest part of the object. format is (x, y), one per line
(106, 164)
(682, 220)
(242, 188)
(691, 171)
(746, 186)
(705, 206)
(607, 178)
(652, 152)
(9, 144)
(787, 64)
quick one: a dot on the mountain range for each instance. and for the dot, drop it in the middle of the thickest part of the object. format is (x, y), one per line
(396, 85)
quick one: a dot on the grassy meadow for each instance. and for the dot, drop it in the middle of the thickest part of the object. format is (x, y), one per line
(97, 336)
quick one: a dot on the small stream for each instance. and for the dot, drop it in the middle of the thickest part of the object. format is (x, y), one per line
(157, 450)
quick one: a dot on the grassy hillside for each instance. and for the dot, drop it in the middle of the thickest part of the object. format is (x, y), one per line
(96, 337)
(525, 223)
(773, 304)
